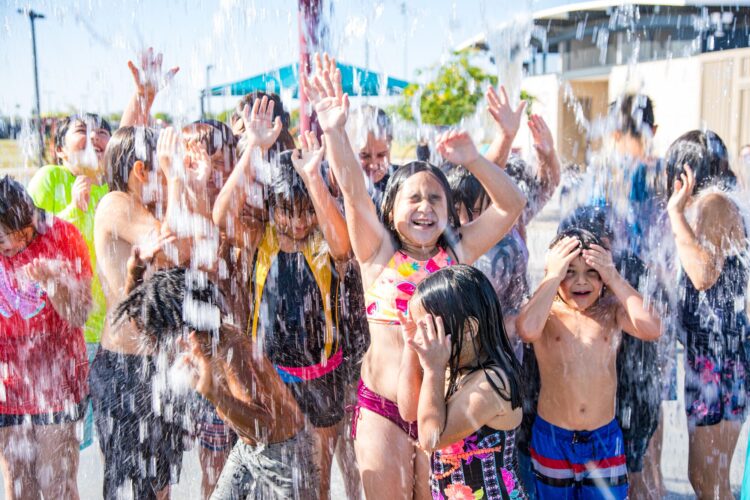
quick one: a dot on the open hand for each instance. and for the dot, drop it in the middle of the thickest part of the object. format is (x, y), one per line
(544, 144)
(431, 344)
(81, 192)
(46, 272)
(149, 78)
(457, 147)
(261, 129)
(166, 150)
(408, 326)
(601, 259)
(498, 104)
(197, 164)
(325, 92)
(561, 255)
(307, 160)
(682, 191)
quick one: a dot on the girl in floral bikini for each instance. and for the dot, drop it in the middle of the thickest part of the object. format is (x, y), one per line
(418, 233)
(469, 423)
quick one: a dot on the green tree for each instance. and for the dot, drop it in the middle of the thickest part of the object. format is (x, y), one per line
(452, 94)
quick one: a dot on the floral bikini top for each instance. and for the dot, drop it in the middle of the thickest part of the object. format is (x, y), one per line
(391, 291)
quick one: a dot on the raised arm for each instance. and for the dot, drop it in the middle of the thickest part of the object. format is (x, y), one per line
(507, 122)
(718, 227)
(534, 314)
(148, 81)
(332, 108)
(506, 199)
(261, 132)
(548, 171)
(633, 317)
(307, 164)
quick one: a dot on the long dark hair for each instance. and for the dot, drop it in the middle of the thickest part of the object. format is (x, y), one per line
(450, 236)
(706, 154)
(462, 294)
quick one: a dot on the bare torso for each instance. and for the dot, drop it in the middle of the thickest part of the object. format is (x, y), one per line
(577, 357)
(113, 250)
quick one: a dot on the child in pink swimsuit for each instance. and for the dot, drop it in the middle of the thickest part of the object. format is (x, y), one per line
(417, 232)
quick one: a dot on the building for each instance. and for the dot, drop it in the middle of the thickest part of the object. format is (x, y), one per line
(692, 58)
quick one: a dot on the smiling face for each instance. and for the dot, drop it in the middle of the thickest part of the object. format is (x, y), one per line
(80, 134)
(375, 157)
(582, 285)
(295, 222)
(420, 213)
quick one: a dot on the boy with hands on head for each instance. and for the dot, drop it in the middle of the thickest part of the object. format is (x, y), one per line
(574, 320)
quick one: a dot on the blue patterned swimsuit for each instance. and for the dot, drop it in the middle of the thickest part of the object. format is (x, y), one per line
(483, 465)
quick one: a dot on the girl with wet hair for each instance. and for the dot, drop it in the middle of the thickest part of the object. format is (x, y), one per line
(417, 233)
(711, 240)
(468, 422)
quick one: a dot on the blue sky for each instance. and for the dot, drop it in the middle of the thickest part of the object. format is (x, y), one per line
(83, 45)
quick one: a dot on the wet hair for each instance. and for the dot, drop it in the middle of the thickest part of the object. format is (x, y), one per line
(631, 112)
(285, 140)
(464, 298)
(368, 119)
(17, 208)
(65, 124)
(287, 190)
(706, 154)
(161, 305)
(466, 190)
(128, 145)
(587, 238)
(518, 170)
(396, 182)
(592, 219)
(214, 136)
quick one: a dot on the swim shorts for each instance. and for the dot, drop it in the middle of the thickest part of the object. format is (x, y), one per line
(288, 469)
(578, 464)
(138, 444)
(715, 378)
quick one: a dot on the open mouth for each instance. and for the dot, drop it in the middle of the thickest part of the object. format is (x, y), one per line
(581, 294)
(423, 223)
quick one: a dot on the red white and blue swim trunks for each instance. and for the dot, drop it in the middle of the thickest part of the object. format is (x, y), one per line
(578, 464)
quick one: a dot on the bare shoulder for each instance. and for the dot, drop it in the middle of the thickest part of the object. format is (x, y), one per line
(488, 382)
(112, 203)
(716, 203)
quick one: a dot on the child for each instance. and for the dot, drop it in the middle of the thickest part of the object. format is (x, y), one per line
(711, 239)
(45, 296)
(294, 303)
(123, 371)
(574, 320)
(417, 234)
(468, 423)
(274, 457)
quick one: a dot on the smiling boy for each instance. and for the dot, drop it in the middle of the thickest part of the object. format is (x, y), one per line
(574, 320)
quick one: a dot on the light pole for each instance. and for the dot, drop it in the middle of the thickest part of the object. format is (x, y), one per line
(207, 93)
(33, 16)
